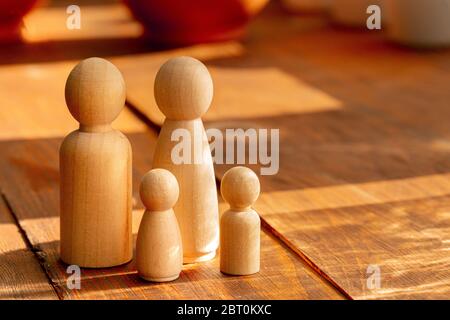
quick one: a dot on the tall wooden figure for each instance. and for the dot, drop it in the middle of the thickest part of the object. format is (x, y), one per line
(183, 92)
(240, 226)
(95, 167)
(159, 253)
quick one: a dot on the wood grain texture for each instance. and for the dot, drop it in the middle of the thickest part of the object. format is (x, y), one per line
(35, 202)
(159, 249)
(35, 80)
(21, 276)
(352, 169)
(364, 159)
(184, 90)
(95, 170)
(240, 225)
(47, 24)
(31, 133)
(283, 275)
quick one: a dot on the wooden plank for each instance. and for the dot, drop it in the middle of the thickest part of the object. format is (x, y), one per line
(363, 152)
(30, 139)
(406, 239)
(382, 157)
(235, 65)
(381, 154)
(40, 94)
(33, 195)
(21, 276)
(387, 147)
(282, 99)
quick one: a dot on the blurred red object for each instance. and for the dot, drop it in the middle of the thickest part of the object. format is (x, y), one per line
(11, 14)
(174, 22)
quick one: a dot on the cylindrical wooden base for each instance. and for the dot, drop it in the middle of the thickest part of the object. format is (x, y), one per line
(165, 279)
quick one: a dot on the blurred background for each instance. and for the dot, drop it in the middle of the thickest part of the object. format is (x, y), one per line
(335, 62)
(289, 55)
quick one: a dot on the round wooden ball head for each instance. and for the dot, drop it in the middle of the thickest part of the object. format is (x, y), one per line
(95, 94)
(240, 188)
(183, 89)
(159, 190)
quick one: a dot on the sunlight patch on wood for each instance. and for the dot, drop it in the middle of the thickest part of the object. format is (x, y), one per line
(352, 195)
(100, 21)
(39, 110)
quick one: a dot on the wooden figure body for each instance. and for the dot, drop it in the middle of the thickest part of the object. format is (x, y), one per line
(159, 253)
(183, 91)
(95, 167)
(240, 225)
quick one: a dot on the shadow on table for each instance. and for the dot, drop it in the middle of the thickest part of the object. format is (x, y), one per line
(393, 121)
(29, 173)
(54, 51)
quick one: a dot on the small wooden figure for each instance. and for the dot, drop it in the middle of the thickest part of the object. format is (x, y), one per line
(183, 91)
(159, 252)
(240, 225)
(95, 167)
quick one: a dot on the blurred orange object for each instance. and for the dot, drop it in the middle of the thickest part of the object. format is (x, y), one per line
(174, 22)
(11, 14)
(306, 6)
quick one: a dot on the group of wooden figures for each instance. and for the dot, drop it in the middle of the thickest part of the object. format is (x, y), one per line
(181, 221)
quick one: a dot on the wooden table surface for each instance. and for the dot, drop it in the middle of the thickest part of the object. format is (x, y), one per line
(364, 156)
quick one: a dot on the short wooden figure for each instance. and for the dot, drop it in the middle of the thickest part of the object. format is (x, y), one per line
(183, 91)
(159, 252)
(240, 225)
(95, 167)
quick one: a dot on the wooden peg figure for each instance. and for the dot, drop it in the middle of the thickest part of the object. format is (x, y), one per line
(159, 253)
(183, 91)
(95, 167)
(240, 225)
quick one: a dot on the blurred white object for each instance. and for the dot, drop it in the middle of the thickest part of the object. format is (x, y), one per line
(306, 5)
(353, 13)
(419, 23)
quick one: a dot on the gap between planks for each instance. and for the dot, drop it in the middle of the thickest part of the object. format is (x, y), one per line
(36, 252)
(264, 224)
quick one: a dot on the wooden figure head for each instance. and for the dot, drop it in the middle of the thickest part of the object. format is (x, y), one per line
(159, 190)
(240, 188)
(95, 92)
(183, 88)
